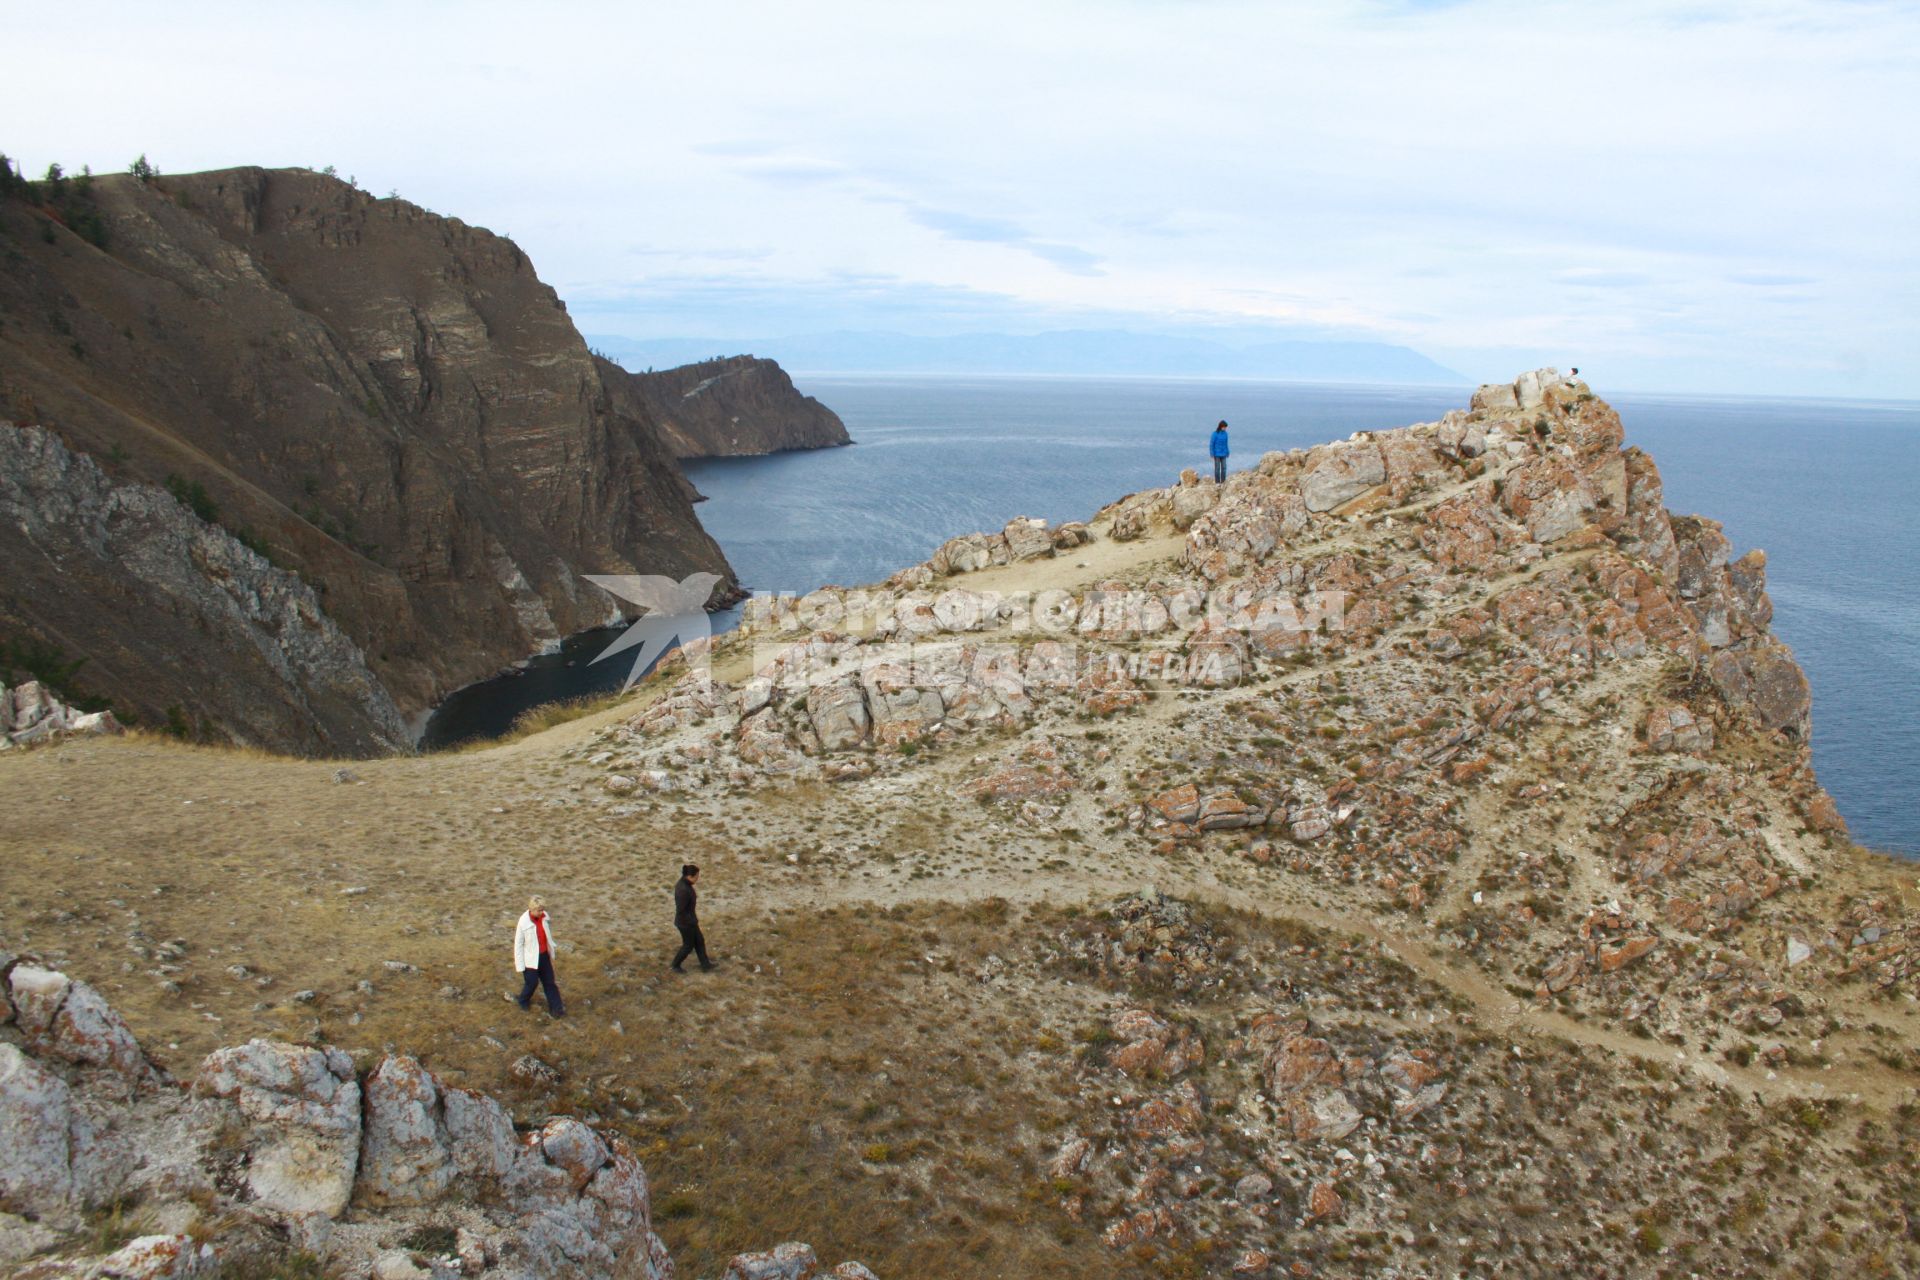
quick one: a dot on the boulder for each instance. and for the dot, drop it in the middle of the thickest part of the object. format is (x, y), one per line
(403, 1153)
(1326, 1115)
(1151, 1046)
(964, 554)
(782, 1262)
(481, 1143)
(574, 1148)
(1339, 474)
(302, 1108)
(1494, 398)
(1027, 539)
(1066, 538)
(36, 1119)
(74, 1021)
(901, 710)
(1182, 804)
(1128, 524)
(177, 1257)
(1678, 729)
(1190, 502)
(1760, 678)
(838, 713)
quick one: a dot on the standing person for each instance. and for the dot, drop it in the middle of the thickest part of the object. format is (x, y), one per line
(533, 956)
(686, 918)
(1218, 448)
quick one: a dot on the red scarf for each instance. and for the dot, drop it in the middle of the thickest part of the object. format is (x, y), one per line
(540, 927)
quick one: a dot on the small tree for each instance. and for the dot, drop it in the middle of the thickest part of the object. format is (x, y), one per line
(142, 169)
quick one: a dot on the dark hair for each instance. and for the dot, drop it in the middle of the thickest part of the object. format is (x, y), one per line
(1223, 424)
(688, 870)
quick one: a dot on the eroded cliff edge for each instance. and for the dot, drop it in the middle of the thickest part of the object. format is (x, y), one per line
(387, 404)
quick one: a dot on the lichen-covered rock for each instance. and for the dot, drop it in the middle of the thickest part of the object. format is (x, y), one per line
(1027, 538)
(269, 1147)
(789, 1261)
(1337, 474)
(1678, 729)
(404, 1157)
(36, 1117)
(839, 716)
(175, 1257)
(1760, 678)
(1189, 502)
(301, 1107)
(73, 1020)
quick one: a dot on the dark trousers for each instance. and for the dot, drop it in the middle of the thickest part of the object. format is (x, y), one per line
(1219, 470)
(692, 941)
(543, 976)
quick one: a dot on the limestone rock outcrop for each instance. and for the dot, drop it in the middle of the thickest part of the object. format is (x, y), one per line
(276, 1146)
(30, 713)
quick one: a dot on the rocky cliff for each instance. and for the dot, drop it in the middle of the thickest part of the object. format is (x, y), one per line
(724, 408)
(182, 623)
(386, 403)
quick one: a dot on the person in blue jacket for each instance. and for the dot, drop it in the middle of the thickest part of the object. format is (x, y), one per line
(1218, 448)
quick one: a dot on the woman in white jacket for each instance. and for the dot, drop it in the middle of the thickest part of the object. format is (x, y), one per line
(533, 957)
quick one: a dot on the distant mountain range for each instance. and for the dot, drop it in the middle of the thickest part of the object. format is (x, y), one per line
(1075, 351)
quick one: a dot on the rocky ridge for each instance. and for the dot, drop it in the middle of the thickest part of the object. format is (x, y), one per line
(273, 1152)
(1460, 664)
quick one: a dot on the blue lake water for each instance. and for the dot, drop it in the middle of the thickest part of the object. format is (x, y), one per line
(1824, 486)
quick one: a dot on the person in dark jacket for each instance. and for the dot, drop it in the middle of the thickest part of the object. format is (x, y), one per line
(1218, 448)
(686, 918)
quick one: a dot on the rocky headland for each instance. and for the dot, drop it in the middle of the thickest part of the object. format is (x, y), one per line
(390, 456)
(734, 407)
(1404, 858)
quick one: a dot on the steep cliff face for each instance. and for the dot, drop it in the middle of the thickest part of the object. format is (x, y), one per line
(173, 614)
(389, 403)
(728, 408)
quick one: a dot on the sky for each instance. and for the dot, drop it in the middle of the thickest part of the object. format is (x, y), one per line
(1694, 197)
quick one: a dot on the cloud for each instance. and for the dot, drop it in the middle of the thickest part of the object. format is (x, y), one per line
(789, 172)
(977, 229)
(966, 226)
(1770, 279)
(1594, 278)
(1421, 172)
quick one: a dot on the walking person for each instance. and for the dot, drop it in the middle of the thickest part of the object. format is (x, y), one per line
(533, 957)
(686, 918)
(1217, 446)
